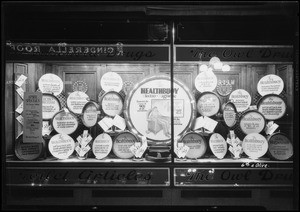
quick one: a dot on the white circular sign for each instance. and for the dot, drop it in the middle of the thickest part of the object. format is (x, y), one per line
(102, 146)
(28, 151)
(196, 143)
(208, 104)
(111, 103)
(255, 145)
(272, 107)
(64, 122)
(51, 83)
(206, 81)
(50, 106)
(61, 146)
(280, 147)
(111, 81)
(218, 145)
(122, 143)
(241, 99)
(76, 101)
(270, 84)
(252, 122)
(148, 108)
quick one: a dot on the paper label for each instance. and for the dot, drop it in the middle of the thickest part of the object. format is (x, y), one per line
(241, 99)
(61, 146)
(76, 101)
(112, 104)
(208, 104)
(270, 84)
(272, 107)
(255, 145)
(106, 123)
(111, 81)
(32, 114)
(20, 108)
(64, 122)
(181, 150)
(102, 146)
(51, 83)
(20, 119)
(199, 123)
(47, 128)
(218, 145)
(271, 127)
(209, 124)
(119, 122)
(206, 81)
(20, 81)
(20, 91)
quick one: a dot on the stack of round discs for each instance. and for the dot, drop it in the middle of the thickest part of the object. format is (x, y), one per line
(255, 145)
(65, 122)
(50, 106)
(252, 121)
(90, 114)
(196, 143)
(111, 103)
(280, 147)
(122, 142)
(272, 106)
(208, 104)
(29, 151)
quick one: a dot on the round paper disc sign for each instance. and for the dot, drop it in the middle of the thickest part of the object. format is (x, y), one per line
(111, 81)
(64, 122)
(76, 101)
(241, 99)
(111, 103)
(280, 147)
(196, 143)
(252, 122)
(90, 111)
(270, 84)
(230, 114)
(122, 142)
(206, 81)
(28, 151)
(51, 83)
(255, 145)
(218, 145)
(102, 146)
(272, 106)
(50, 106)
(148, 108)
(208, 104)
(61, 146)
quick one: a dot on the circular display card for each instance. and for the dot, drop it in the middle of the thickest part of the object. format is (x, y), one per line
(208, 104)
(230, 114)
(206, 81)
(272, 106)
(270, 84)
(61, 146)
(111, 81)
(50, 106)
(51, 83)
(280, 147)
(111, 103)
(76, 101)
(28, 151)
(122, 142)
(102, 146)
(218, 145)
(255, 145)
(252, 122)
(90, 111)
(64, 122)
(241, 99)
(148, 108)
(196, 143)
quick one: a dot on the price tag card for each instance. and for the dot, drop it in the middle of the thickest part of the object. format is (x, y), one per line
(20, 119)
(20, 108)
(20, 81)
(199, 123)
(119, 122)
(209, 124)
(106, 123)
(20, 91)
(271, 127)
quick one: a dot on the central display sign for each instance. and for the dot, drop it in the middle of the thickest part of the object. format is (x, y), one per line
(148, 108)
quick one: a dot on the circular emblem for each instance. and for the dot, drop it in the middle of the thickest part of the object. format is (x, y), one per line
(102, 146)
(61, 146)
(255, 145)
(64, 122)
(252, 122)
(111, 81)
(272, 106)
(280, 147)
(122, 143)
(76, 101)
(208, 104)
(223, 88)
(148, 108)
(111, 103)
(218, 145)
(270, 84)
(50, 106)
(50, 83)
(80, 86)
(241, 99)
(206, 81)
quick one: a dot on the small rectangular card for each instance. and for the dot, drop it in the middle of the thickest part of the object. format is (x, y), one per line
(20, 108)
(209, 124)
(20, 81)
(20, 119)
(106, 123)
(20, 91)
(199, 123)
(119, 122)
